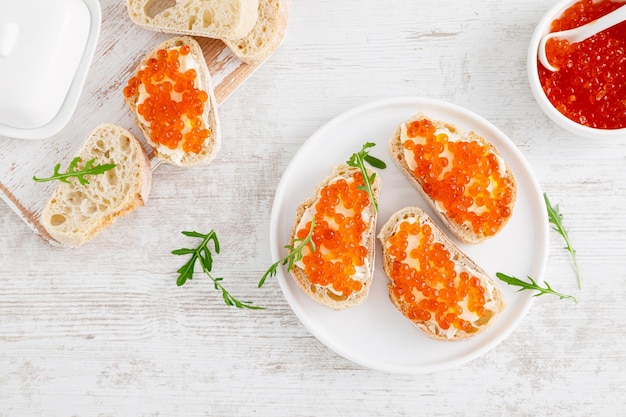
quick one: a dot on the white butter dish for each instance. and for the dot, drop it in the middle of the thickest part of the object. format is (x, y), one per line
(46, 48)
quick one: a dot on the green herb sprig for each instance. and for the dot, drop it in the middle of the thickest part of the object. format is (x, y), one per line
(358, 160)
(556, 218)
(533, 286)
(203, 254)
(294, 254)
(88, 169)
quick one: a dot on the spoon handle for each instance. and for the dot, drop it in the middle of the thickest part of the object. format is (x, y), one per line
(580, 33)
(597, 26)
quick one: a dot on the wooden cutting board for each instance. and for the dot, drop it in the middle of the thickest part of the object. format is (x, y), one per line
(121, 46)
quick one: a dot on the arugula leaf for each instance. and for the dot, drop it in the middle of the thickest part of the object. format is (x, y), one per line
(203, 254)
(294, 254)
(358, 160)
(533, 286)
(89, 169)
(375, 162)
(556, 218)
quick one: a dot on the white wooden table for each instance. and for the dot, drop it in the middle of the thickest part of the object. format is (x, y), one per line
(103, 330)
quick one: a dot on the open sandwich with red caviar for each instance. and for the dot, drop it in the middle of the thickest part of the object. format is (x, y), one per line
(172, 98)
(432, 282)
(461, 175)
(337, 271)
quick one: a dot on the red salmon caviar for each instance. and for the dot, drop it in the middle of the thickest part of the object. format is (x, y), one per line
(423, 275)
(338, 235)
(174, 106)
(463, 177)
(590, 85)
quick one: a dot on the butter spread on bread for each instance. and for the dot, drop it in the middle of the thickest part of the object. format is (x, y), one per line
(174, 104)
(338, 273)
(77, 213)
(432, 282)
(461, 175)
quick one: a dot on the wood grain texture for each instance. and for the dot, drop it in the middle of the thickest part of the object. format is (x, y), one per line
(104, 331)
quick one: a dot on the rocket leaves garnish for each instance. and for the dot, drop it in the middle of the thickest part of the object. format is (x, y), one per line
(358, 160)
(88, 169)
(203, 254)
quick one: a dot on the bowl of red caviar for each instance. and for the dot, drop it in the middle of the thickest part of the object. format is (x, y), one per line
(587, 95)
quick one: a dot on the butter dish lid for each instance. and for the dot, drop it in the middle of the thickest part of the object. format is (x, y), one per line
(46, 48)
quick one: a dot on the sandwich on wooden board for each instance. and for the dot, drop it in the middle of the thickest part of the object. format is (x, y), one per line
(172, 99)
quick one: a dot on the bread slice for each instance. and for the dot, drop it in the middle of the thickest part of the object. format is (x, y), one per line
(464, 230)
(222, 19)
(325, 294)
(212, 143)
(405, 293)
(266, 35)
(77, 213)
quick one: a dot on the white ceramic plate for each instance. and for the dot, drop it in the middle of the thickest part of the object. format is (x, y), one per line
(374, 334)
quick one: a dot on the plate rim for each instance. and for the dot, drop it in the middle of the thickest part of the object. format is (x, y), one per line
(282, 275)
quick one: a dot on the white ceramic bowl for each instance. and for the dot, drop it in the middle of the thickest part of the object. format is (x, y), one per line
(543, 27)
(46, 48)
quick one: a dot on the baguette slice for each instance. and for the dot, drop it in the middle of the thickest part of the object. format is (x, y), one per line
(212, 143)
(267, 34)
(403, 266)
(222, 19)
(464, 229)
(325, 294)
(77, 213)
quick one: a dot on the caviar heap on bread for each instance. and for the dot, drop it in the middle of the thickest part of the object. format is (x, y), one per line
(337, 269)
(173, 102)
(461, 175)
(432, 282)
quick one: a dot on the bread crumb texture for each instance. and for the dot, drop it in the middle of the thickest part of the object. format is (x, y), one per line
(266, 35)
(76, 212)
(224, 19)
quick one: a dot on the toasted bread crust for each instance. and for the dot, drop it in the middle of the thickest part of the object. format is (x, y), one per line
(463, 231)
(319, 293)
(212, 144)
(431, 328)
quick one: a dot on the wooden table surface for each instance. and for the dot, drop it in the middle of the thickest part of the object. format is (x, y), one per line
(103, 330)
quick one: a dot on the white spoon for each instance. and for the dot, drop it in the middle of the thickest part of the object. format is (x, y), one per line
(580, 33)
